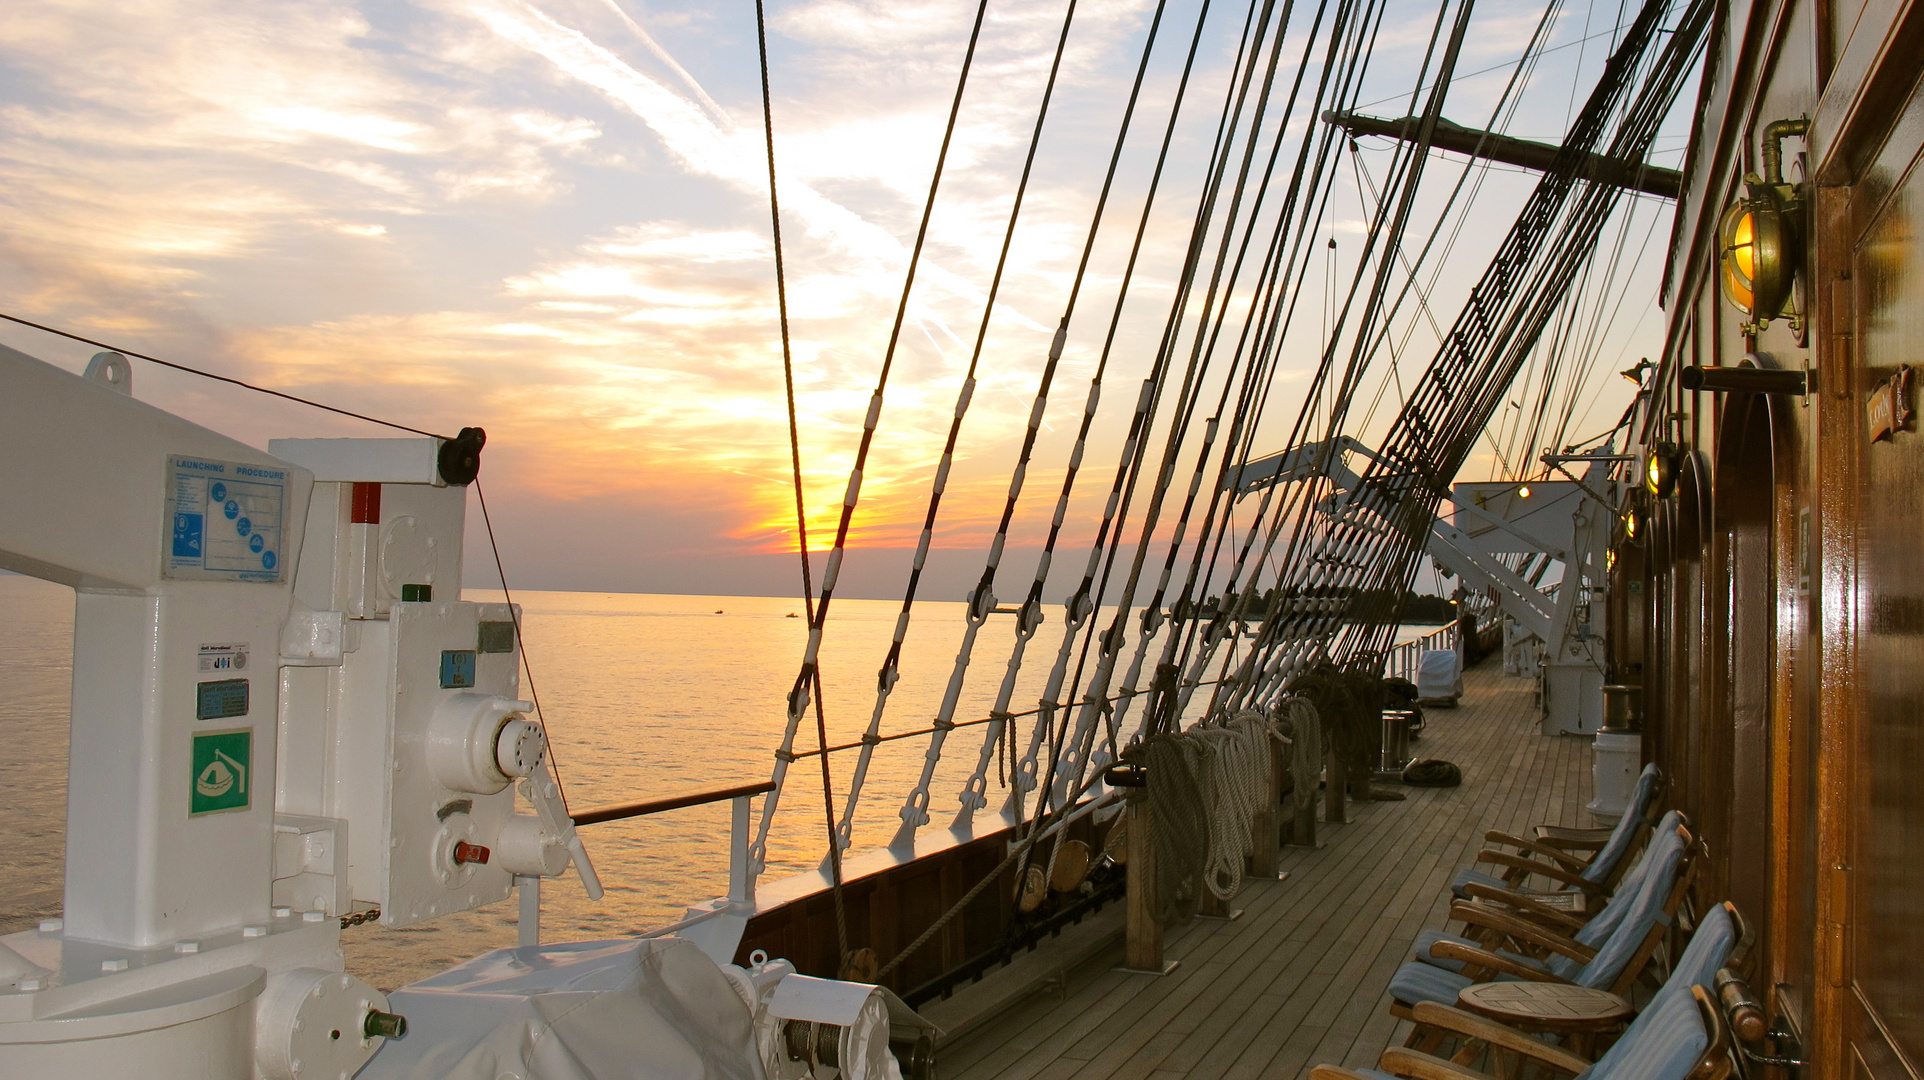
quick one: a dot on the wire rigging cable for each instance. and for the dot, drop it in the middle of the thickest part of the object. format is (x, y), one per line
(807, 681)
(795, 460)
(231, 381)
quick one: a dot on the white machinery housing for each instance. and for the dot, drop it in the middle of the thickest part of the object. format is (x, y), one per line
(284, 716)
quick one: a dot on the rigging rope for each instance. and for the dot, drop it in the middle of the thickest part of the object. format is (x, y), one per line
(795, 460)
(507, 597)
(809, 680)
(914, 811)
(228, 379)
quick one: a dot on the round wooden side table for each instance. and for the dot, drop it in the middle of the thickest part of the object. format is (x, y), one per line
(1576, 1011)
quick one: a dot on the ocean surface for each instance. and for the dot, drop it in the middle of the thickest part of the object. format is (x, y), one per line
(645, 695)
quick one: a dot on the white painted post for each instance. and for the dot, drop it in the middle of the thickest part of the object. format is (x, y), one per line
(528, 930)
(741, 878)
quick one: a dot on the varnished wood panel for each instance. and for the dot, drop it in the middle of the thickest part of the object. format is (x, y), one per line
(1884, 883)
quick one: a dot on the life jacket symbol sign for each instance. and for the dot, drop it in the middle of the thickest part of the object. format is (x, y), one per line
(223, 761)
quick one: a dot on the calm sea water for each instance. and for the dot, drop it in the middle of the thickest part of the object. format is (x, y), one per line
(645, 695)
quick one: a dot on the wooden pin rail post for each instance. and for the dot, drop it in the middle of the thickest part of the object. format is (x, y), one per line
(1333, 782)
(1142, 934)
(1265, 850)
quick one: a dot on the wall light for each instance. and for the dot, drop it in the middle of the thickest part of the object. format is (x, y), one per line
(1523, 492)
(1761, 237)
(1660, 469)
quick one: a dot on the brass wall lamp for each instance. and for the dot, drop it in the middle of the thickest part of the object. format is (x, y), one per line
(1660, 466)
(1761, 237)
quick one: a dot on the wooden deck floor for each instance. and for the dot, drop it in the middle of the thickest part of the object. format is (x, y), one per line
(1301, 978)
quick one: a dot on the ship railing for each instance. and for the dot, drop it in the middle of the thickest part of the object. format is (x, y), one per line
(741, 883)
(1407, 658)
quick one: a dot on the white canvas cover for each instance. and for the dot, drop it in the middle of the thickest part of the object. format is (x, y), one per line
(581, 1010)
(1439, 675)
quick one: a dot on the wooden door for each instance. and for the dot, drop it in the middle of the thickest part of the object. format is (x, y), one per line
(1684, 735)
(1881, 888)
(1737, 736)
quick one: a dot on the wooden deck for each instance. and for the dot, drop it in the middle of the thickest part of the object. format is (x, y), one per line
(1301, 978)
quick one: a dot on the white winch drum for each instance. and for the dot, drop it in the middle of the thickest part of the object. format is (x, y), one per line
(464, 741)
(198, 1030)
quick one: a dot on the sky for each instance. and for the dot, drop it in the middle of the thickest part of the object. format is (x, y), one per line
(549, 218)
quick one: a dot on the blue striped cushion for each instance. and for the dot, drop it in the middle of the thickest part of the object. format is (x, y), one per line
(1662, 1045)
(1664, 1041)
(1470, 875)
(1416, 981)
(1641, 910)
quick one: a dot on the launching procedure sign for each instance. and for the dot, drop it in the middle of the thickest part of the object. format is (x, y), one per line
(223, 772)
(227, 519)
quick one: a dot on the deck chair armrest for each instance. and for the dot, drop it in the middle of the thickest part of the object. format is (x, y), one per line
(1520, 929)
(1523, 906)
(1470, 1025)
(1533, 866)
(1568, 862)
(1715, 1063)
(1487, 963)
(1400, 1061)
(1557, 834)
(1591, 844)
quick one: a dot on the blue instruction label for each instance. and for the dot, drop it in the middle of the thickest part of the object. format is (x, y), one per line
(457, 668)
(228, 520)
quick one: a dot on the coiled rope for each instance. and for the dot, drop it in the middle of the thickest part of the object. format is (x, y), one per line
(1238, 760)
(1181, 789)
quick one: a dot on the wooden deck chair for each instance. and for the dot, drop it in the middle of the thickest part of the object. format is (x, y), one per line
(1614, 964)
(1679, 1037)
(1555, 855)
(1488, 935)
(1723, 941)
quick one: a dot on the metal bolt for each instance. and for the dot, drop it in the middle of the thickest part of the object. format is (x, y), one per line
(384, 1025)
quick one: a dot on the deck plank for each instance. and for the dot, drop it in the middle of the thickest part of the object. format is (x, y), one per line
(1302, 977)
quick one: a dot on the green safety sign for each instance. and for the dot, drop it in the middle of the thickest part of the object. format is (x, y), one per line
(223, 772)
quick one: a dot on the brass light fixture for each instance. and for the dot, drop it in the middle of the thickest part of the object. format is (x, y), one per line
(1761, 237)
(1660, 470)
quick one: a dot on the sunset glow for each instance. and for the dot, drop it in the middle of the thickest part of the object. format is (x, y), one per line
(549, 218)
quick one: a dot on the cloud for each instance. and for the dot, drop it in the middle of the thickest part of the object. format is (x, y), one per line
(550, 217)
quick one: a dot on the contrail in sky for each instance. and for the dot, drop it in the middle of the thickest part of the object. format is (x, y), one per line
(703, 146)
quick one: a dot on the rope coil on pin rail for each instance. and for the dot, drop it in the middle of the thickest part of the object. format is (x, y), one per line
(1239, 758)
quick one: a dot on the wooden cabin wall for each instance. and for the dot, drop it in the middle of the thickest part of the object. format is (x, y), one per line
(1783, 580)
(1883, 887)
